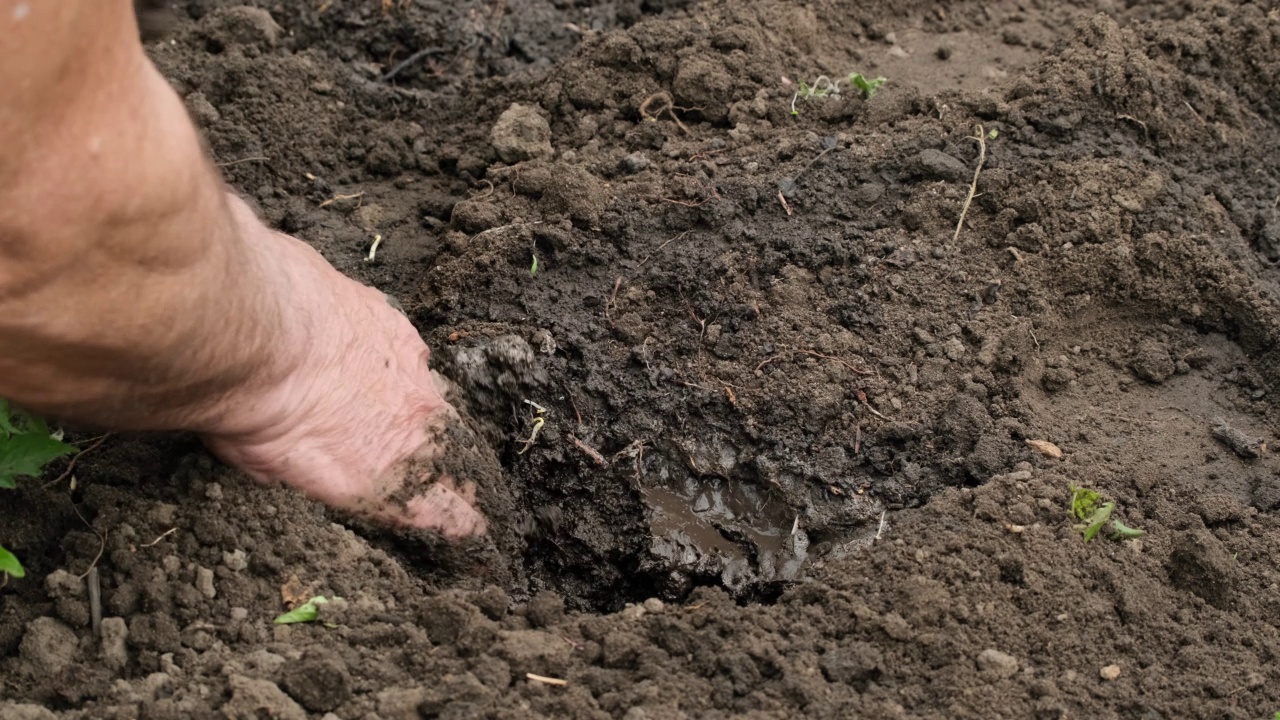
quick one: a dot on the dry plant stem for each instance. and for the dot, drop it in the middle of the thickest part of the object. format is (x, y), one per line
(95, 600)
(875, 412)
(982, 157)
(668, 106)
(546, 680)
(660, 247)
(409, 61)
(254, 159)
(102, 538)
(162, 536)
(72, 465)
(589, 451)
(336, 198)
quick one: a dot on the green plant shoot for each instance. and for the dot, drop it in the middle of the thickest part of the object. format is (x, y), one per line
(9, 564)
(1095, 521)
(1093, 517)
(868, 87)
(533, 269)
(1120, 531)
(304, 613)
(1083, 502)
(26, 445)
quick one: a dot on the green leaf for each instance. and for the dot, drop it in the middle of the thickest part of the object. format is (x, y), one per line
(306, 612)
(1083, 502)
(1095, 521)
(9, 564)
(868, 87)
(1120, 531)
(534, 269)
(27, 453)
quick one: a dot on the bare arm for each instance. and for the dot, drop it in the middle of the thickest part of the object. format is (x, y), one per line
(128, 291)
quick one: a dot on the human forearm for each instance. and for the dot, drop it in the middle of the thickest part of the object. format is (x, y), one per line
(129, 290)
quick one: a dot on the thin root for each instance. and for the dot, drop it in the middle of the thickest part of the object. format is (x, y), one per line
(546, 680)
(162, 536)
(667, 106)
(338, 198)
(783, 200)
(255, 158)
(589, 452)
(981, 137)
(102, 538)
(72, 465)
(660, 247)
(613, 300)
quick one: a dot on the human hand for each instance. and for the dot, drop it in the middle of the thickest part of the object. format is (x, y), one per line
(358, 420)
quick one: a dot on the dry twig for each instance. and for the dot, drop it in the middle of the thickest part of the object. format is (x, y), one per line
(338, 198)
(668, 106)
(589, 452)
(981, 137)
(783, 200)
(660, 247)
(72, 465)
(255, 158)
(162, 536)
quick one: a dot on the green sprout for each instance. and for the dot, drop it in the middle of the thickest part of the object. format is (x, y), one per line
(824, 87)
(304, 613)
(1092, 516)
(868, 87)
(26, 447)
(533, 269)
(9, 564)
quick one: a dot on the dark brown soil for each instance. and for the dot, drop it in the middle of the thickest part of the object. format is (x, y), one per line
(784, 470)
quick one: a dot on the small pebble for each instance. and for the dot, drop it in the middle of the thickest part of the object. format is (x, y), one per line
(236, 560)
(1110, 672)
(654, 606)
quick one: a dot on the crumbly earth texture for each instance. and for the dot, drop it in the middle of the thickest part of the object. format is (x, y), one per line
(759, 416)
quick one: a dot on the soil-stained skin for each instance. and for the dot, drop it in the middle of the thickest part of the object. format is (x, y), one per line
(781, 466)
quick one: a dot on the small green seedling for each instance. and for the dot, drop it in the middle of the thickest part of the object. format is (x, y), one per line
(868, 87)
(304, 613)
(9, 564)
(26, 446)
(992, 134)
(824, 87)
(533, 269)
(1120, 531)
(1092, 516)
